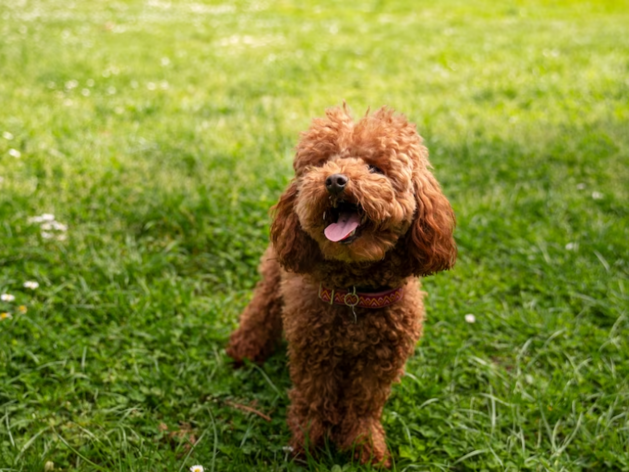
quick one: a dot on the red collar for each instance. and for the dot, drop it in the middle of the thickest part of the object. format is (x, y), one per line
(352, 298)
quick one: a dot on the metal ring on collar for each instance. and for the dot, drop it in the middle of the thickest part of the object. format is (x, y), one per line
(354, 294)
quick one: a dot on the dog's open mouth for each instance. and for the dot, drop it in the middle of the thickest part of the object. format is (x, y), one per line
(346, 221)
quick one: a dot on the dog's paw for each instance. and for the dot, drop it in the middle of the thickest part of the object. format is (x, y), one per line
(242, 347)
(378, 457)
(365, 438)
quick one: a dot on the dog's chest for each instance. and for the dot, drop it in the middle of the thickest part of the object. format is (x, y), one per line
(325, 330)
(338, 332)
(353, 335)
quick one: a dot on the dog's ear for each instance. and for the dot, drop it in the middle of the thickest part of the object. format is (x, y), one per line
(429, 240)
(295, 250)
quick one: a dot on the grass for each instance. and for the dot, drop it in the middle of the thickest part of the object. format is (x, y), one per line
(161, 132)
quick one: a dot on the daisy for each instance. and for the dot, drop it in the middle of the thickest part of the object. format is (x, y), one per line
(196, 468)
(41, 219)
(5, 316)
(31, 284)
(15, 153)
(54, 225)
(469, 318)
(22, 309)
(6, 297)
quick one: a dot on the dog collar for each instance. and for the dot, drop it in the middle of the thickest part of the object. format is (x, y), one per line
(352, 298)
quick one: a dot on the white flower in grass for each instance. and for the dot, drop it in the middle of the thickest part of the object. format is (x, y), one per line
(31, 284)
(54, 225)
(41, 219)
(597, 195)
(5, 316)
(572, 246)
(581, 186)
(288, 449)
(15, 153)
(469, 318)
(8, 136)
(7, 297)
(196, 468)
(56, 236)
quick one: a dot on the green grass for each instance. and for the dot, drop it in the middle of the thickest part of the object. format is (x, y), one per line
(161, 132)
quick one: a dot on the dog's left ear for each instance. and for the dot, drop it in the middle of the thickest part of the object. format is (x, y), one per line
(429, 241)
(295, 250)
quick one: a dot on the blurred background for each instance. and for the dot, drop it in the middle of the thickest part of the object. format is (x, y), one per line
(142, 144)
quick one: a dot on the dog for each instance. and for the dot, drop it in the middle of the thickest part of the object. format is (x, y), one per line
(361, 220)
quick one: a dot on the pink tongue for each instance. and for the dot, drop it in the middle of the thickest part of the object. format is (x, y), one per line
(348, 222)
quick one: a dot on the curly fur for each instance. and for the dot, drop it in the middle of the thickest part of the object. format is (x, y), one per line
(342, 370)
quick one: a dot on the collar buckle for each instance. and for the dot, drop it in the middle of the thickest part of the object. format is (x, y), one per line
(352, 298)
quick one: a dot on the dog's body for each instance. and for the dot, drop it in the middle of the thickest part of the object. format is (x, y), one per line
(363, 215)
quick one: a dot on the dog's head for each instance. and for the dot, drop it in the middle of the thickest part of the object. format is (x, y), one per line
(360, 190)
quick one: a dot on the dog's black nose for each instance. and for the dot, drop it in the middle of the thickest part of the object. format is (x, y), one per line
(336, 183)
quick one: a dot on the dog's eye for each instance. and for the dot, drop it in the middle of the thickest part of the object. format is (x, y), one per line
(375, 170)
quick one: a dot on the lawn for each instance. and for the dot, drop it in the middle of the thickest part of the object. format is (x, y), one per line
(159, 133)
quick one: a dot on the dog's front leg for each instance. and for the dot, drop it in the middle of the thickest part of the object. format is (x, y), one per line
(314, 407)
(364, 394)
(371, 374)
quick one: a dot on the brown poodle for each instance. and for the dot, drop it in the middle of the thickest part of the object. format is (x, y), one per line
(362, 218)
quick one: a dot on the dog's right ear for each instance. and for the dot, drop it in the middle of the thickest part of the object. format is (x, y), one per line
(429, 241)
(295, 250)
